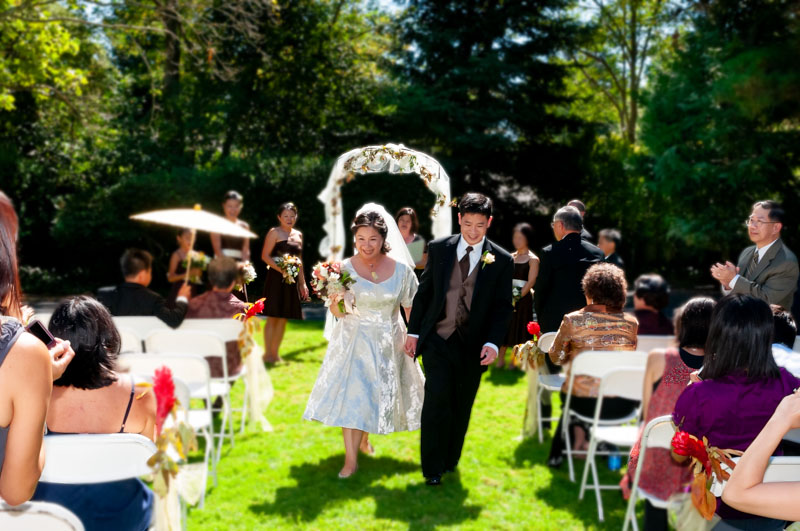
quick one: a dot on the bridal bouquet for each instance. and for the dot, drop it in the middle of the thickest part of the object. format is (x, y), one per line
(290, 266)
(530, 351)
(332, 284)
(247, 274)
(196, 262)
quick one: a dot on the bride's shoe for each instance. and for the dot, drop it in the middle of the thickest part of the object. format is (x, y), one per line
(345, 476)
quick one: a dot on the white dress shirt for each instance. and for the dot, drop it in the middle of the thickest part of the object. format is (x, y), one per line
(761, 252)
(786, 358)
(474, 259)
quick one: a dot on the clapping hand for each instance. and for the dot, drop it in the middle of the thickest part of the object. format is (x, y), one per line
(724, 273)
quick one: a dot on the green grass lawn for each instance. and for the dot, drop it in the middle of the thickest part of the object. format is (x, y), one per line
(287, 479)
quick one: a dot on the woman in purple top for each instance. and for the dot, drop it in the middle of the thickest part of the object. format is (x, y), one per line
(741, 387)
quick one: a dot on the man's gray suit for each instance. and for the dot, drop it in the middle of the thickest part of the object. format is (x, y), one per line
(773, 279)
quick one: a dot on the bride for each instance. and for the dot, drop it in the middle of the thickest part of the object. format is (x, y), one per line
(367, 384)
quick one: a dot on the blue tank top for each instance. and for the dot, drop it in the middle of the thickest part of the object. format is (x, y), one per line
(10, 330)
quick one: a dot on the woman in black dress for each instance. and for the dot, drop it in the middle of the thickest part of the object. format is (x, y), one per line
(526, 269)
(283, 299)
(176, 274)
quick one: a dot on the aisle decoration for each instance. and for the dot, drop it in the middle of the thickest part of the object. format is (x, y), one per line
(531, 359)
(331, 283)
(529, 353)
(259, 384)
(247, 274)
(290, 266)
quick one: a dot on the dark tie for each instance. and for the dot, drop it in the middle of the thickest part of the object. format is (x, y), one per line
(464, 265)
(751, 268)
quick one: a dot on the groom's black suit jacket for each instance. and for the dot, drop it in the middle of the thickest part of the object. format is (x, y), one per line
(491, 308)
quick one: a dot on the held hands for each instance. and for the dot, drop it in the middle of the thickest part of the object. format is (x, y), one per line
(61, 354)
(488, 355)
(724, 273)
(185, 291)
(411, 346)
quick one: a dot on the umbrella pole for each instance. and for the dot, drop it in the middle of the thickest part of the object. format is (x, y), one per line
(189, 258)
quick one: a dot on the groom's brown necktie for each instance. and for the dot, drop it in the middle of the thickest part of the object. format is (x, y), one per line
(464, 265)
(462, 313)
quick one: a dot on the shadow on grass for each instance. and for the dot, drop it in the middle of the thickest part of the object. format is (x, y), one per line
(318, 488)
(294, 354)
(503, 376)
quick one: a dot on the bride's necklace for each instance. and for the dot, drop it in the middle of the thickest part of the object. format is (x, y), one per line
(372, 270)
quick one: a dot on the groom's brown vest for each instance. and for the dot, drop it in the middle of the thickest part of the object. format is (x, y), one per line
(447, 323)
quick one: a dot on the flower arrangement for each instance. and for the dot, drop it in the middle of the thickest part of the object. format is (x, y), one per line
(246, 342)
(331, 283)
(530, 351)
(196, 262)
(290, 266)
(706, 461)
(180, 435)
(247, 274)
(516, 295)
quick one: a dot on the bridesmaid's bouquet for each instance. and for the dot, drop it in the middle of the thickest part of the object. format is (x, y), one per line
(196, 262)
(290, 266)
(247, 274)
(516, 295)
(332, 284)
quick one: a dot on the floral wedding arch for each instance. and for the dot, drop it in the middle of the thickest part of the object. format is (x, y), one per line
(389, 158)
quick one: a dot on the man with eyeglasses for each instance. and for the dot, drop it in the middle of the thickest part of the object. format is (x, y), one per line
(767, 270)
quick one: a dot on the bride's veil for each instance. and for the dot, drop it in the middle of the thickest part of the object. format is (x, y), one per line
(399, 250)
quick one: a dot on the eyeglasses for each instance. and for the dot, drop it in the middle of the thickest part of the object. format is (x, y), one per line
(757, 223)
(553, 223)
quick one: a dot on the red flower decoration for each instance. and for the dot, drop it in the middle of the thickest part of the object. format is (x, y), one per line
(164, 389)
(256, 308)
(533, 328)
(685, 444)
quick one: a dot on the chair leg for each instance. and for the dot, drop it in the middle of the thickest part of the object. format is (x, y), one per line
(589, 459)
(540, 424)
(244, 407)
(597, 491)
(229, 412)
(630, 512)
(568, 445)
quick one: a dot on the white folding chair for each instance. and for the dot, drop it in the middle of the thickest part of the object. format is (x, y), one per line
(596, 363)
(548, 383)
(780, 469)
(141, 325)
(131, 342)
(228, 330)
(648, 343)
(191, 371)
(657, 434)
(38, 515)
(205, 344)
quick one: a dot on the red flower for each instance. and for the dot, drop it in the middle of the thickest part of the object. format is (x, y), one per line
(164, 389)
(256, 308)
(533, 328)
(685, 444)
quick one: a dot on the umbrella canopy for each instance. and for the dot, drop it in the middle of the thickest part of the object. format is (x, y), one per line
(194, 218)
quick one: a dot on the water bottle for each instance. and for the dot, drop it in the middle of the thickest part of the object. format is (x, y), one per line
(614, 461)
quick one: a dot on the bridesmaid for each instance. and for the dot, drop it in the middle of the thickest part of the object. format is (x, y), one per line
(526, 269)
(408, 224)
(177, 271)
(283, 300)
(236, 248)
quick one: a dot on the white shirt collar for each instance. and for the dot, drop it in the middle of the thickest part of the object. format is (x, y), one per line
(462, 245)
(762, 251)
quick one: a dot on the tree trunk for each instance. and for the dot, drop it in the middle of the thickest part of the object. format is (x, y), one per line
(172, 77)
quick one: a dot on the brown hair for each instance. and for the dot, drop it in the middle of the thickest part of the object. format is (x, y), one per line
(287, 206)
(374, 220)
(10, 291)
(605, 284)
(408, 211)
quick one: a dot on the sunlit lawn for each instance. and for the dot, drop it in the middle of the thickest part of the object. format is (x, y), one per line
(287, 478)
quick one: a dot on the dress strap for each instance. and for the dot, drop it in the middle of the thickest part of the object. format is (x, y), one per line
(130, 403)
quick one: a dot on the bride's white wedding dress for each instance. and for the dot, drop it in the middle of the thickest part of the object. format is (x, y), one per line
(366, 381)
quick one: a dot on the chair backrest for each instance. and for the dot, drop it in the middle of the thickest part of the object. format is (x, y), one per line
(96, 458)
(624, 382)
(780, 469)
(597, 363)
(658, 433)
(227, 329)
(198, 342)
(546, 341)
(648, 343)
(142, 325)
(793, 436)
(38, 515)
(192, 370)
(131, 342)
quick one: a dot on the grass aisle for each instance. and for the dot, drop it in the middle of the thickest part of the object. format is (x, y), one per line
(287, 479)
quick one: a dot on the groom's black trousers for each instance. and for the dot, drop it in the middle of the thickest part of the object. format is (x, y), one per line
(452, 377)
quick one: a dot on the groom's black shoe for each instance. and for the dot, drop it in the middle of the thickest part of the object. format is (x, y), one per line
(433, 481)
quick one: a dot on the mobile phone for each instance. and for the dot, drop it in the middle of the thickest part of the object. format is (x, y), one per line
(38, 329)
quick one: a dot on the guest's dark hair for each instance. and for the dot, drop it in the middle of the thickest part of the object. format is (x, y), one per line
(475, 203)
(134, 261)
(10, 291)
(653, 289)
(740, 339)
(183, 231)
(88, 326)
(408, 211)
(527, 231)
(222, 272)
(611, 235)
(605, 284)
(776, 212)
(692, 321)
(570, 217)
(785, 328)
(577, 203)
(232, 194)
(287, 206)
(376, 221)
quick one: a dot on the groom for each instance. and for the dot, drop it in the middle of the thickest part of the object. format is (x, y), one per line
(460, 315)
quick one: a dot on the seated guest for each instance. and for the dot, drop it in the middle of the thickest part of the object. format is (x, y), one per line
(608, 241)
(666, 376)
(133, 298)
(783, 341)
(601, 325)
(746, 490)
(650, 297)
(220, 303)
(739, 390)
(91, 397)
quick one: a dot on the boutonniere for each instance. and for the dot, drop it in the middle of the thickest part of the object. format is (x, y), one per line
(487, 258)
